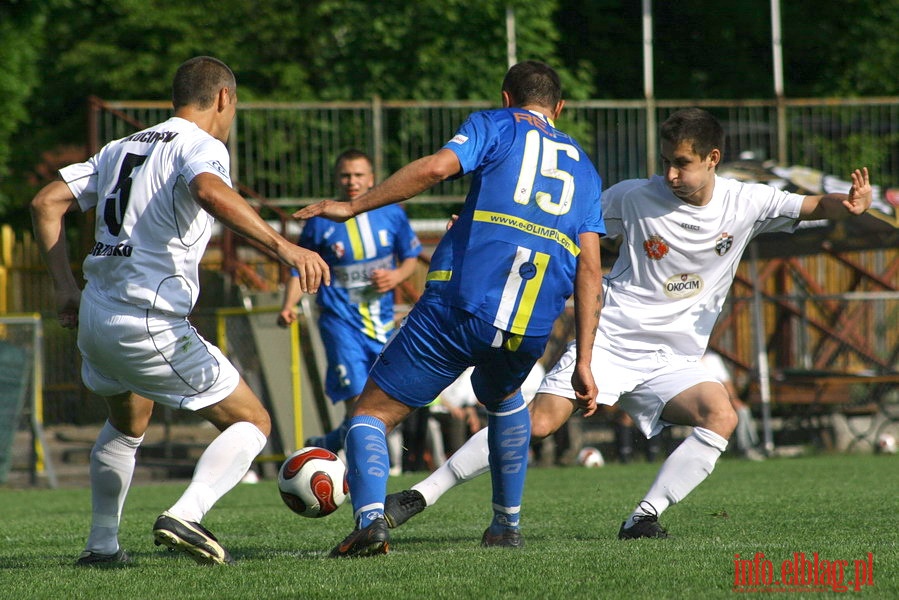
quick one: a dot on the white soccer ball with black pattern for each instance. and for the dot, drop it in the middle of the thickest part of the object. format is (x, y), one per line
(590, 457)
(312, 482)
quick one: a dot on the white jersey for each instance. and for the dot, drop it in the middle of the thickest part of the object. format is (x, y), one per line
(677, 262)
(150, 233)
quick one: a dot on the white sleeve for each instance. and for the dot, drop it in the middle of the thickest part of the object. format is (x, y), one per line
(208, 156)
(82, 181)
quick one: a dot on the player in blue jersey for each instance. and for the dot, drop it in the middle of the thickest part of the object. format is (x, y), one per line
(525, 240)
(368, 255)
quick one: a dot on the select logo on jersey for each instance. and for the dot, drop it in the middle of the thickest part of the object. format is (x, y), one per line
(655, 247)
(338, 249)
(684, 285)
(459, 139)
(723, 243)
(218, 167)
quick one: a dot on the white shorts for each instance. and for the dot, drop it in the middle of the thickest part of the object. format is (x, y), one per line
(158, 356)
(640, 382)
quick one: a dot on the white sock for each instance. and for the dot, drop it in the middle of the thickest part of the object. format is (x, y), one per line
(687, 467)
(395, 451)
(745, 433)
(111, 470)
(221, 467)
(469, 461)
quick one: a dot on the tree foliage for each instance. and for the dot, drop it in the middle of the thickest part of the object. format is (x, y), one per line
(21, 41)
(57, 53)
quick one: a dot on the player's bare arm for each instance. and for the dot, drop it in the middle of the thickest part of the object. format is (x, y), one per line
(229, 207)
(48, 210)
(840, 206)
(409, 181)
(587, 306)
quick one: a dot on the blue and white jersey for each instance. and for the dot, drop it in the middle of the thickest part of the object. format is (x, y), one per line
(353, 249)
(511, 257)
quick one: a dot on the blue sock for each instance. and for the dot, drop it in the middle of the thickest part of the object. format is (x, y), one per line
(368, 466)
(508, 437)
(334, 439)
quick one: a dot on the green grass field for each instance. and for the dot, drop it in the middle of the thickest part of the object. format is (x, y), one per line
(840, 507)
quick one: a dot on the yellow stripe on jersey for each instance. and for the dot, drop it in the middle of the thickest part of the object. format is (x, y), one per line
(529, 296)
(352, 232)
(485, 216)
(368, 323)
(439, 276)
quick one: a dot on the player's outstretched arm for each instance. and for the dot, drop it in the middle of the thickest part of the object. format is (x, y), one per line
(48, 210)
(840, 206)
(229, 207)
(409, 181)
(587, 306)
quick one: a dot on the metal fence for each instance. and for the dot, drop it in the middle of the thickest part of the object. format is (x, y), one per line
(284, 151)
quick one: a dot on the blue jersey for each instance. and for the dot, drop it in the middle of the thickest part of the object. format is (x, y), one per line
(511, 257)
(372, 240)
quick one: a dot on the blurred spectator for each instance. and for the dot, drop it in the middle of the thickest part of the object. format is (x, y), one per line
(746, 434)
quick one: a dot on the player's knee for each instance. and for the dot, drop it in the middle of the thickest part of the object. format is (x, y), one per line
(262, 420)
(548, 414)
(720, 418)
(542, 426)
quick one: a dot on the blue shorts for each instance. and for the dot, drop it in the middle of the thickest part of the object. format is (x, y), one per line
(350, 355)
(436, 343)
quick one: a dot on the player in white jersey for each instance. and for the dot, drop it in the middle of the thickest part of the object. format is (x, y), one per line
(684, 233)
(156, 194)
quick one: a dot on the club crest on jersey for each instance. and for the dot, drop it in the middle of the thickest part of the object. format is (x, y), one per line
(723, 243)
(655, 247)
(338, 249)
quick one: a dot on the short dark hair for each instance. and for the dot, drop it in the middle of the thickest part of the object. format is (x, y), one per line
(533, 82)
(352, 154)
(198, 81)
(694, 125)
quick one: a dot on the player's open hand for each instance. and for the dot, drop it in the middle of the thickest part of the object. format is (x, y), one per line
(312, 268)
(860, 195)
(585, 390)
(329, 209)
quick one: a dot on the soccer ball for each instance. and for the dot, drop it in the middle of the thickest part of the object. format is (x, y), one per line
(590, 457)
(886, 444)
(312, 482)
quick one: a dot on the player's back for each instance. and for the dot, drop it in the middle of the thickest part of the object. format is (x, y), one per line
(150, 233)
(511, 257)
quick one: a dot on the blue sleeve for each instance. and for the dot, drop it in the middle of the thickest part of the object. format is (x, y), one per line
(474, 141)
